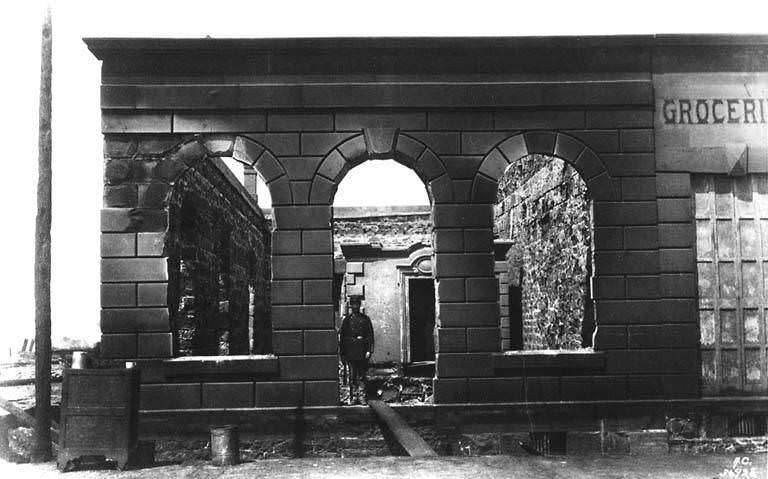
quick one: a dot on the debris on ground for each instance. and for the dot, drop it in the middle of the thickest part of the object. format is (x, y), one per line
(21, 440)
(659, 465)
(387, 382)
(16, 441)
(734, 445)
(365, 443)
(399, 389)
(22, 367)
(687, 428)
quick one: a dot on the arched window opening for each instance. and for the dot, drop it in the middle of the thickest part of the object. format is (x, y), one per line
(251, 181)
(382, 216)
(218, 244)
(544, 213)
(381, 183)
(256, 286)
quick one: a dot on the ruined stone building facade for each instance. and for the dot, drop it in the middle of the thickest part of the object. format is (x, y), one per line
(661, 139)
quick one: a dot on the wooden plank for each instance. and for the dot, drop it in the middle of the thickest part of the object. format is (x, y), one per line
(413, 444)
(26, 419)
(731, 265)
(24, 382)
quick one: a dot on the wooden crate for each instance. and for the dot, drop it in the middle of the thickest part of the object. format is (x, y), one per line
(99, 415)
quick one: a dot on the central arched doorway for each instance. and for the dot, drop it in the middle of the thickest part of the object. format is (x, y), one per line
(382, 218)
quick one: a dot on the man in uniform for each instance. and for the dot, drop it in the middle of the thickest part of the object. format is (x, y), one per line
(356, 346)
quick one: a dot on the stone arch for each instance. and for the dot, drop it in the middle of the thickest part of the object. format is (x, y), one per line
(189, 152)
(160, 195)
(418, 255)
(600, 185)
(381, 143)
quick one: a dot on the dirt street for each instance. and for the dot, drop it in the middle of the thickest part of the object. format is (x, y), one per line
(647, 466)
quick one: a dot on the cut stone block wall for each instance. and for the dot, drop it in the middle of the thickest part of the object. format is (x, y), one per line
(468, 315)
(591, 105)
(462, 211)
(182, 243)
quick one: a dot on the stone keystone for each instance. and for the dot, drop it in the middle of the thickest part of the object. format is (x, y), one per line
(190, 153)
(380, 142)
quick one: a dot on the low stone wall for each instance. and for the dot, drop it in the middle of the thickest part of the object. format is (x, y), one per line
(392, 227)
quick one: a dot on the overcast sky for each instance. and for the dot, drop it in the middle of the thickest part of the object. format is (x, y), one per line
(76, 124)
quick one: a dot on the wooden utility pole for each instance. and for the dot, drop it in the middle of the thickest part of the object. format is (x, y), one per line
(42, 447)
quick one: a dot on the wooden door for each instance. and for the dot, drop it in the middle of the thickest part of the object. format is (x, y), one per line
(732, 264)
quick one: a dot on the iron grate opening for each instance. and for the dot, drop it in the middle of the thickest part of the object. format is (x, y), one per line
(549, 442)
(746, 425)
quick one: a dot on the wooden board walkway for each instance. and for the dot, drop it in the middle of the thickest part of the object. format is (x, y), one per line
(409, 439)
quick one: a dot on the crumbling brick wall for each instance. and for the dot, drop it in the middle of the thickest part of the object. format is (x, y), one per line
(218, 250)
(545, 210)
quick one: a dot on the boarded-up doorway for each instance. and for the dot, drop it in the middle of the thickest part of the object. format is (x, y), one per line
(421, 308)
(732, 263)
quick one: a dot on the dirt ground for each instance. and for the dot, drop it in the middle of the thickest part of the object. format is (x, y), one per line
(632, 466)
(365, 454)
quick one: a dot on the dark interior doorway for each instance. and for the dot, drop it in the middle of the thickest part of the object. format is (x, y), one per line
(421, 307)
(516, 317)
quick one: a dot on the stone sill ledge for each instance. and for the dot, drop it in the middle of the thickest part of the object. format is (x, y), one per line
(524, 360)
(201, 365)
(613, 407)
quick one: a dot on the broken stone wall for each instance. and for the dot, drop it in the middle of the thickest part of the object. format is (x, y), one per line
(218, 249)
(544, 209)
(392, 227)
